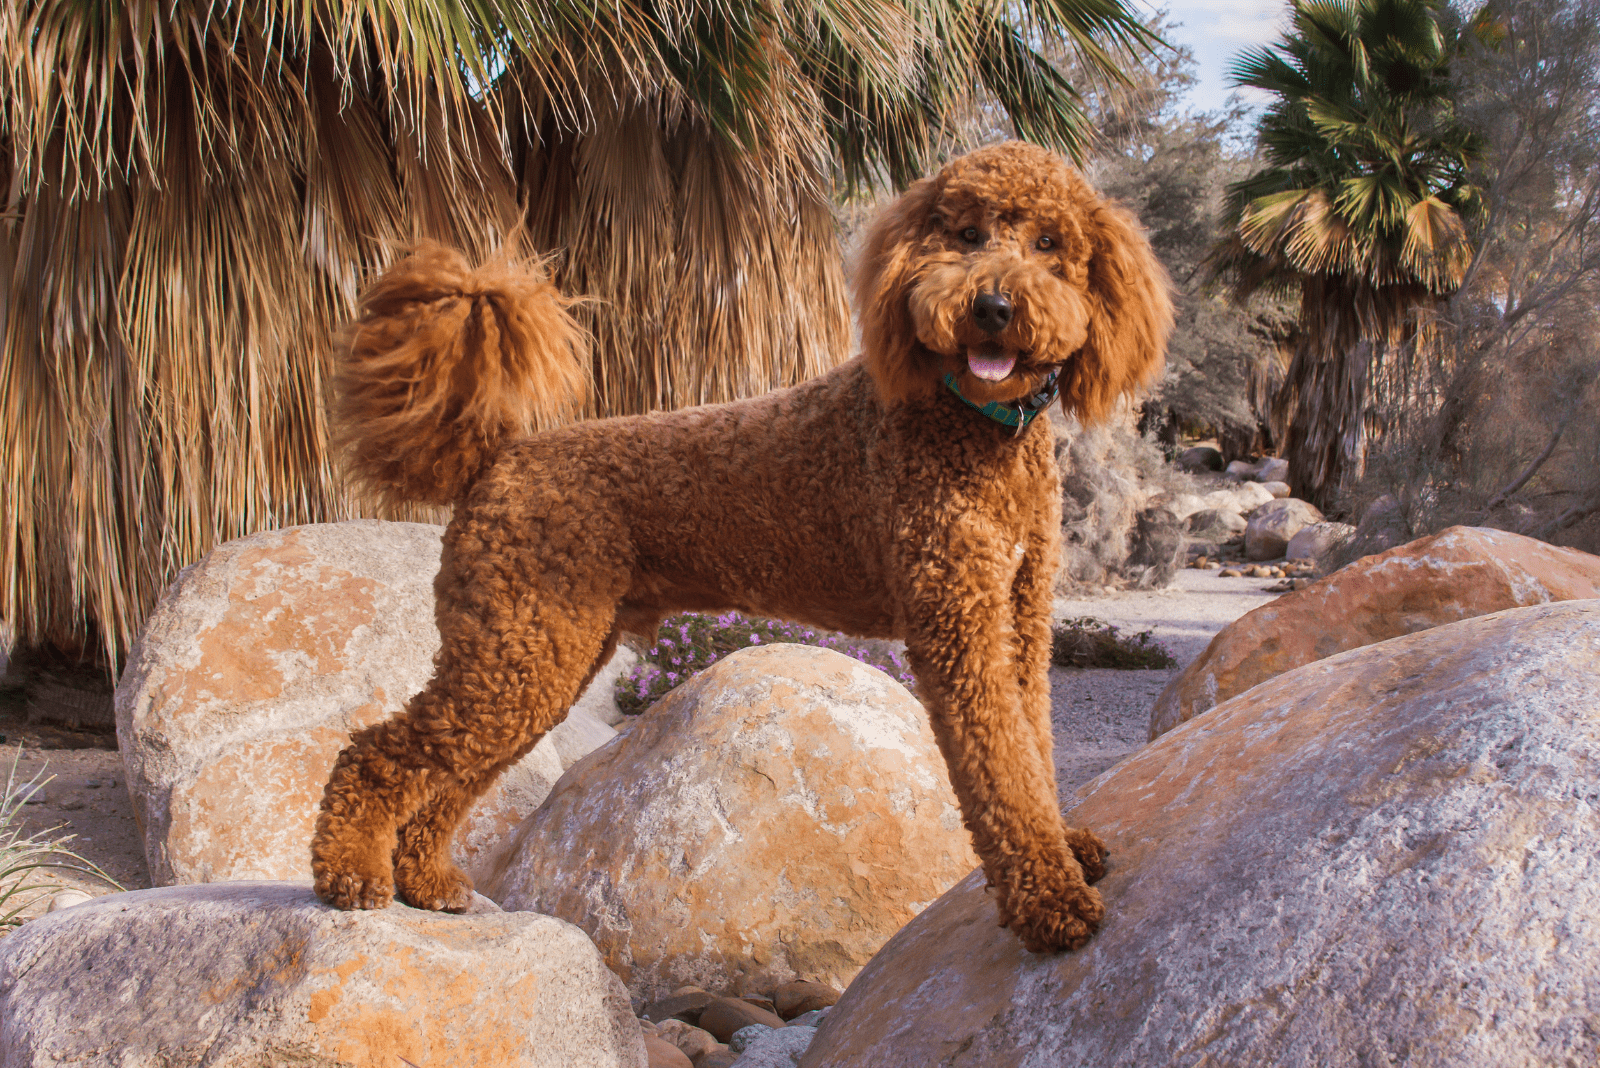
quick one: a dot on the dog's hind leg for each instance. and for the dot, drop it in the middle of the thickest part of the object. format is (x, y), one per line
(424, 873)
(518, 639)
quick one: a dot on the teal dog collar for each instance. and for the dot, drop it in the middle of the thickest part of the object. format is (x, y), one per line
(1016, 414)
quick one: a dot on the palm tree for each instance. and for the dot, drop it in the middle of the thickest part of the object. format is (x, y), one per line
(1361, 207)
(195, 192)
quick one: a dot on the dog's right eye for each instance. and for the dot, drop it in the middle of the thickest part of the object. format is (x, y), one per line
(970, 234)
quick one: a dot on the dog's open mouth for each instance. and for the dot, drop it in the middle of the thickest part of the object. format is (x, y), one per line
(991, 367)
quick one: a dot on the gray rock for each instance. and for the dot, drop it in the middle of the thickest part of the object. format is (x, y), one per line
(1384, 857)
(740, 1040)
(1267, 535)
(1217, 523)
(1242, 499)
(1273, 469)
(1314, 541)
(1200, 458)
(240, 975)
(777, 1049)
(1243, 471)
(1279, 490)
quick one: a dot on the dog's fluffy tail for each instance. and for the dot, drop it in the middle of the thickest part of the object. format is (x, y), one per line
(446, 364)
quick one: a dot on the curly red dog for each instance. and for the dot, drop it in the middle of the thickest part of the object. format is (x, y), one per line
(909, 493)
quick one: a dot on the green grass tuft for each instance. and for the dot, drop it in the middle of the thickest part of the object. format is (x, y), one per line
(24, 856)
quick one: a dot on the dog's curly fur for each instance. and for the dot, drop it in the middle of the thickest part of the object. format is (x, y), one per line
(871, 500)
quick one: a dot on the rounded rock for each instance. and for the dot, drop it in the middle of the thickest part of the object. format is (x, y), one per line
(1387, 856)
(780, 815)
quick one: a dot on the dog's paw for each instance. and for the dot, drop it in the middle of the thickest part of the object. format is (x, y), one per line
(348, 891)
(1091, 852)
(1059, 912)
(440, 887)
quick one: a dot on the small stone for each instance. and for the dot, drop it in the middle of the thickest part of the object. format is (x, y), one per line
(1229, 572)
(66, 899)
(1273, 469)
(686, 1007)
(659, 1053)
(802, 996)
(740, 1040)
(759, 1002)
(723, 1016)
(693, 1041)
(813, 1018)
(778, 1049)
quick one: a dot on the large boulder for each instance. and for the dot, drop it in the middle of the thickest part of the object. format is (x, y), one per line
(250, 676)
(241, 975)
(1384, 857)
(1267, 535)
(776, 818)
(1458, 573)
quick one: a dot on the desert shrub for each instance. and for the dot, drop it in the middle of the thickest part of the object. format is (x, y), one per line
(1495, 423)
(24, 856)
(1086, 642)
(688, 643)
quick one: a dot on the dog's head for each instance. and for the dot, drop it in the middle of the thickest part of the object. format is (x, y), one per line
(1001, 268)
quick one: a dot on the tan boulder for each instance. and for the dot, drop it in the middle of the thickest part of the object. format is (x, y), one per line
(1273, 524)
(244, 975)
(1383, 857)
(802, 996)
(249, 678)
(1455, 574)
(777, 817)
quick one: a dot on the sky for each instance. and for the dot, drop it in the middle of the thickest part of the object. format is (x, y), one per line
(1217, 30)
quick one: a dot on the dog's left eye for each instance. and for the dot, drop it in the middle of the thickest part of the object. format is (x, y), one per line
(970, 234)
(1046, 243)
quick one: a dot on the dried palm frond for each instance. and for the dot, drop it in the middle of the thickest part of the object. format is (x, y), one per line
(195, 193)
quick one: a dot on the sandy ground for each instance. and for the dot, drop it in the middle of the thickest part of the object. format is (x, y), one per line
(1100, 716)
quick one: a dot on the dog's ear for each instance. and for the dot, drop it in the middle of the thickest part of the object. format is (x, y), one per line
(1130, 316)
(884, 275)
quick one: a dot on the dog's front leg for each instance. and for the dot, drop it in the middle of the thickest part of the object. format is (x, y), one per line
(1032, 594)
(976, 673)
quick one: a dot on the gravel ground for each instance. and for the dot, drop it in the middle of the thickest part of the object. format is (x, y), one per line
(1101, 715)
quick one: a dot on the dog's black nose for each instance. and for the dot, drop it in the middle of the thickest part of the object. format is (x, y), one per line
(992, 312)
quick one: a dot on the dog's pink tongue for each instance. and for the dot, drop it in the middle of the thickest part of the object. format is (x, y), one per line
(990, 368)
